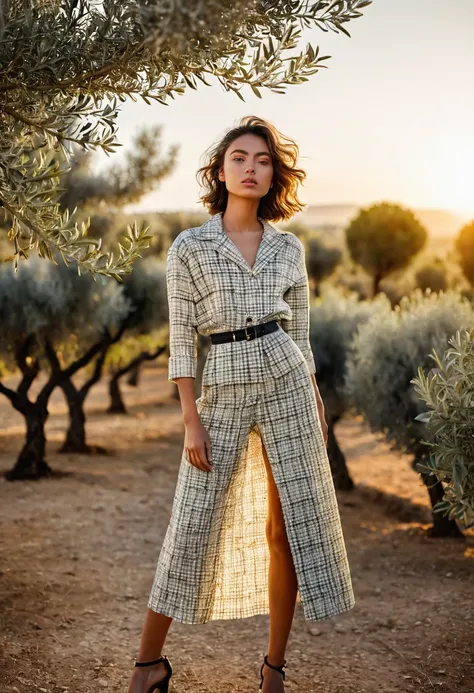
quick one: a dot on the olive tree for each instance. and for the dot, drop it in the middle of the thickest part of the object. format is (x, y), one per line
(322, 260)
(448, 393)
(383, 238)
(142, 168)
(39, 320)
(97, 318)
(334, 321)
(65, 65)
(464, 245)
(145, 290)
(387, 353)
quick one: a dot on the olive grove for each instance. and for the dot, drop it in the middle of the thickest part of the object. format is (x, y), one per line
(388, 351)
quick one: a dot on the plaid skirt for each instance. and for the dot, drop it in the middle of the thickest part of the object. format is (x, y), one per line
(214, 559)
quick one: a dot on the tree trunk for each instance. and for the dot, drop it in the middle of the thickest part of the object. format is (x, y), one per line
(117, 405)
(442, 525)
(31, 463)
(76, 434)
(75, 397)
(134, 376)
(340, 473)
(76, 441)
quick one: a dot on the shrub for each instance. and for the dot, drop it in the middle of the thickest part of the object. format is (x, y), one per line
(387, 354)
(448, 392)
(334, 321)
(432, 275)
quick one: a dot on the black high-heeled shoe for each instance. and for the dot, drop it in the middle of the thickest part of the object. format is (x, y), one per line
(161, 686)
(280, 669)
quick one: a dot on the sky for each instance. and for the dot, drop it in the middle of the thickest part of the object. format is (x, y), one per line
(390, 118)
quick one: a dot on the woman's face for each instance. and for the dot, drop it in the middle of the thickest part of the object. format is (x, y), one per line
(247, 158)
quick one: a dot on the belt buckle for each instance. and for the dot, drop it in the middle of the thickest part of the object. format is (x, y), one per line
(247, 336)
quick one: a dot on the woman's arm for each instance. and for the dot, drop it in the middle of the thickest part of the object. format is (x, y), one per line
(197, 442)
(182, 318)
(182, 363)
(297, 297)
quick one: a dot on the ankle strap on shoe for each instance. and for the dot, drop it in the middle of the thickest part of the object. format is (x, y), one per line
(280, 668)
(154, 661)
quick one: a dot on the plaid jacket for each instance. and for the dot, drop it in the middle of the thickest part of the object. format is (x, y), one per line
(212, 288)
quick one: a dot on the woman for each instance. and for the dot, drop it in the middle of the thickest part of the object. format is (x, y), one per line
(255, 525)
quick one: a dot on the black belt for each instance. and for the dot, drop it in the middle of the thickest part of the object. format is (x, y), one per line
(247, 333)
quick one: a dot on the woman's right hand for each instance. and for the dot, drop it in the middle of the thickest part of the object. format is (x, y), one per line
(197, 445)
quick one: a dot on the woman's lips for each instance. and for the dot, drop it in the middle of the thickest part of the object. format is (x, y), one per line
(248, 182)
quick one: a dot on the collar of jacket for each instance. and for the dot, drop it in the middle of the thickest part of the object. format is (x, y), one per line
(272, 242)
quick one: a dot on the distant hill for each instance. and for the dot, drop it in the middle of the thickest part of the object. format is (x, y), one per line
(439, 222)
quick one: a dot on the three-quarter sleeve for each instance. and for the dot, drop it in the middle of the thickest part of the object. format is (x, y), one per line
(297, 297)
(182, 319)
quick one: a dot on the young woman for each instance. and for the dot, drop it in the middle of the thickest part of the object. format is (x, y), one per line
(255, 525)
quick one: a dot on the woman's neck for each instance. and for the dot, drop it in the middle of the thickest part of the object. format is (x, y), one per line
(242, 215)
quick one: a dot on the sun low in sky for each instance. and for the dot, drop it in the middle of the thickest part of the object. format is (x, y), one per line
(389, 118)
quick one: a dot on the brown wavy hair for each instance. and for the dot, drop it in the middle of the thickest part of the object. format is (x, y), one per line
(281, 201)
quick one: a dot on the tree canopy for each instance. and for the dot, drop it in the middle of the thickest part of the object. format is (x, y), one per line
(65, 65)
(464, 245)
(383, 238)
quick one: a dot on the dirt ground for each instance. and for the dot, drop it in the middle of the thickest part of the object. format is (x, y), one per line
(78, 556)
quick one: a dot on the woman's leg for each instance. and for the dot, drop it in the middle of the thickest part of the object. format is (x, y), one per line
(155, 630)
(283, 584)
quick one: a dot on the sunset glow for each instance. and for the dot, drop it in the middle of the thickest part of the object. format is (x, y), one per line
(387, 119)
